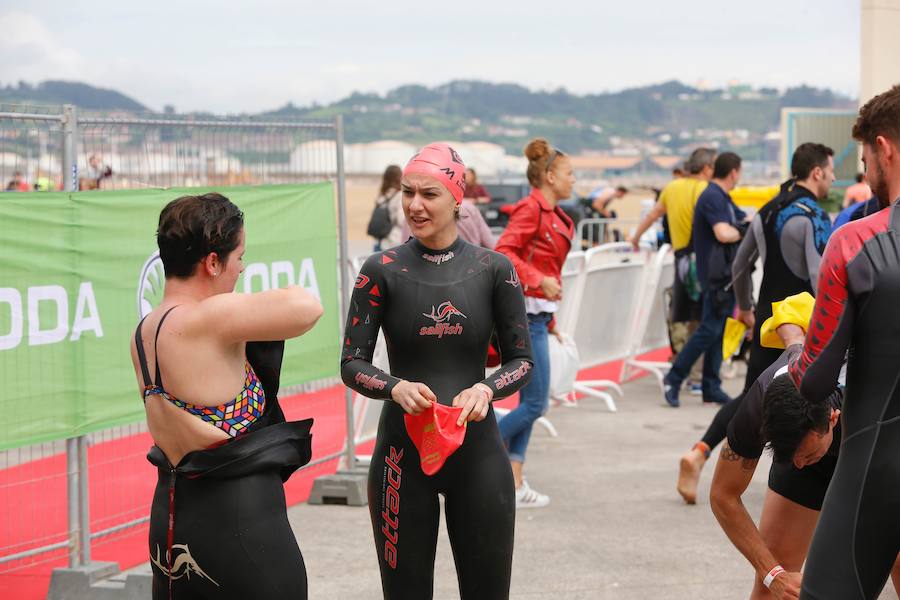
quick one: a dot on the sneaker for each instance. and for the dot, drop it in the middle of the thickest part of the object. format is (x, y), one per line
(670, 392)
(718, 398)
(696, 389)
(528, 498)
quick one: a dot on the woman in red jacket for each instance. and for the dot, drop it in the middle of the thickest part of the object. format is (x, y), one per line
(537, 240)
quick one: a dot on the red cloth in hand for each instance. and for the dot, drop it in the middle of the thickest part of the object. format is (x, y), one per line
(435, 434)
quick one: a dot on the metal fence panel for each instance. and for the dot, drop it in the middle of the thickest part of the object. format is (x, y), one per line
(31, 148)
(128, 152)
(104, 480)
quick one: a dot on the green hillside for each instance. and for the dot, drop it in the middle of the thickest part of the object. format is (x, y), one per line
(669, 115)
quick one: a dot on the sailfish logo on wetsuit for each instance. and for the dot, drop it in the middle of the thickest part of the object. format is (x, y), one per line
(182, 561)
(441, 318)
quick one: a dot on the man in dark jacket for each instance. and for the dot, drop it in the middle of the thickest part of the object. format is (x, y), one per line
(716, 231)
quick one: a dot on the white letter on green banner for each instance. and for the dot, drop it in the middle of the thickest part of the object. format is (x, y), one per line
(13, 337)
(47, 293)
(87, 317)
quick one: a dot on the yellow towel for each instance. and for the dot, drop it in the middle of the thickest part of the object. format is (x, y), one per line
(796, 309)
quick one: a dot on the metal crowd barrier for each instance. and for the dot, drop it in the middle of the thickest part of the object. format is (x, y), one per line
(648, 328)
(605, 295)
(597, 231)
(50, 148)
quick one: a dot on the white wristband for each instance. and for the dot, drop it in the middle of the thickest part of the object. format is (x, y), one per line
(770, 577)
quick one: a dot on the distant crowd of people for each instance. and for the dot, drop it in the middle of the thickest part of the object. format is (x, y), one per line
(90, 178)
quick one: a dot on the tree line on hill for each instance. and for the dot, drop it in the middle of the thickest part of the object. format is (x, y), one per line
(508, 114)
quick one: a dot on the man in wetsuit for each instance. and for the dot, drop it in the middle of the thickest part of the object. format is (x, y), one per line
(858, 535)
(438, 299)
(805, 444)
(789, 234)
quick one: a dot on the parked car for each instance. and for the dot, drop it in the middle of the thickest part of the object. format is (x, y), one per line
(502, 194)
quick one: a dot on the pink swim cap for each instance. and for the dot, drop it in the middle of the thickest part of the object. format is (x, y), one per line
(444, 164)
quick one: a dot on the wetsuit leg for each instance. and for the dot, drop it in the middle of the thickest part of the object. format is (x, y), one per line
(858, 535)
(231, 539)
(718, 429)
(481, 511)
(403, 504)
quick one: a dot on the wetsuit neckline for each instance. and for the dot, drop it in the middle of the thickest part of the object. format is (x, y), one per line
(793, 191)
(454, 247)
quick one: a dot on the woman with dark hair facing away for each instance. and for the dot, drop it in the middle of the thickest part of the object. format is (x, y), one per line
(389, 199)
(218, 524)
(536, 240)
(438, 300)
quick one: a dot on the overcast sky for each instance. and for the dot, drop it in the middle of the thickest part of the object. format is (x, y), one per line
(249, 56)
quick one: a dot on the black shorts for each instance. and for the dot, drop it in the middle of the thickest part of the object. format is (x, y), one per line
(806, 486)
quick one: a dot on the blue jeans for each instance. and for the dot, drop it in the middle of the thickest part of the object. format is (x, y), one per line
(515, 428)
(706, 340)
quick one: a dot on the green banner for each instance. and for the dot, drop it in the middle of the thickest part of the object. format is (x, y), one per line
(79, 270)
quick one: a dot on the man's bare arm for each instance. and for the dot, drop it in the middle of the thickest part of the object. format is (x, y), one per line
(730, 481)
(656, 213)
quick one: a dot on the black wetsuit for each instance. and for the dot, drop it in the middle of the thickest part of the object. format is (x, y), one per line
(779, 279)
(218, 522)
(806, 486)
(438, 310)
(858, 535)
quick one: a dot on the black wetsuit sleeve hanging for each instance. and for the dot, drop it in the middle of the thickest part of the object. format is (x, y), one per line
(511, 325)
(364, 319)
(266, 358)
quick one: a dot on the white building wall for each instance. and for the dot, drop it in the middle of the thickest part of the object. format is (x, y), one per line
(879, 56)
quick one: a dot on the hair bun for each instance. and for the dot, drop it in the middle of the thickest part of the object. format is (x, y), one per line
(537, 149)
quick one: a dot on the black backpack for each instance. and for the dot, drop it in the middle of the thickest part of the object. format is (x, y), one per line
(380, 222)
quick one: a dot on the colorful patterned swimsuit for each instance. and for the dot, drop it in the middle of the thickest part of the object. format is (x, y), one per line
(234, 417)
(220, 513)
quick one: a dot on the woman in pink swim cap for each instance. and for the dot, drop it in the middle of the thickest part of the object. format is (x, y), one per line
(438, 300)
